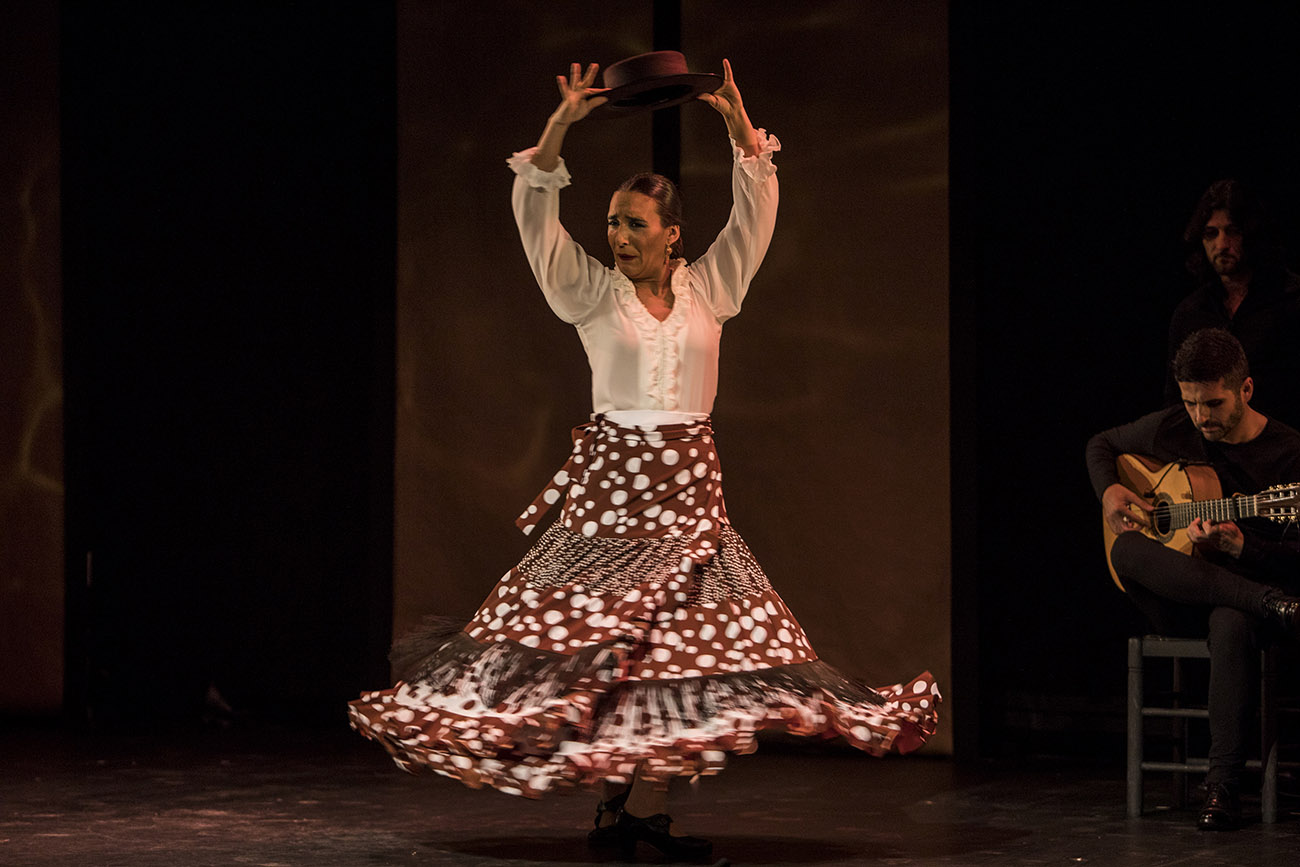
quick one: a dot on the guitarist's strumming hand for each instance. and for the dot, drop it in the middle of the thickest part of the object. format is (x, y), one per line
(1124, 510)
(1222, 536)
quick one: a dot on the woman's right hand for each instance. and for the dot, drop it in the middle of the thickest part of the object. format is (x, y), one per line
(577, 99)
(577, 96)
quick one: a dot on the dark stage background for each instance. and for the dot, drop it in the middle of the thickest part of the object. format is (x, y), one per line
(239, 236)
(228, 225)
(1083, 134)
(31, 371)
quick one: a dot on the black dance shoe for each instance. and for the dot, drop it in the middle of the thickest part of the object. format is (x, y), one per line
(1222, 810)
(608, 835)
(1284, 611)
(654, 830)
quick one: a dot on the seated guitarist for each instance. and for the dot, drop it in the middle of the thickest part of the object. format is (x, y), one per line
(1238, 591)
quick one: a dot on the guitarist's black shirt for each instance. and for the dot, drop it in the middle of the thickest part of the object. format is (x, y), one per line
(1169, 435)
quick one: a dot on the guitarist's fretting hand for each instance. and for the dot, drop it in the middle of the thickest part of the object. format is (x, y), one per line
(1116, 509)
(1224, 536)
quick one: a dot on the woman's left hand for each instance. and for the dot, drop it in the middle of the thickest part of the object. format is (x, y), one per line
(726, 99)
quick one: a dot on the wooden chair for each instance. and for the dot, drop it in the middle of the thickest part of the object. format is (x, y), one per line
(1140, 649)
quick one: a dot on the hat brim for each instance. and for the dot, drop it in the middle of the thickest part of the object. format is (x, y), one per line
(652, 94)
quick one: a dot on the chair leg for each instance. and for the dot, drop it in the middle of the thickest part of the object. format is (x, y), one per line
(1134, 770)
(1181, 748)
(1268, 735)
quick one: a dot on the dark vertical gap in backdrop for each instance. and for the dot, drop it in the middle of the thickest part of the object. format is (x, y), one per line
(666, 128)
(963, 365)
(79, 369)
(378, 589)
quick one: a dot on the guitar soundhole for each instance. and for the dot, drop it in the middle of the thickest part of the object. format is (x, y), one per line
(1160, 519)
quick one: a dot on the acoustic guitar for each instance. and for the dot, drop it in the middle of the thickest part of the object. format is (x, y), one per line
(1182, 492)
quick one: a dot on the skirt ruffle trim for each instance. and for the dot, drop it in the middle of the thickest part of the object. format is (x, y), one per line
(526, 722)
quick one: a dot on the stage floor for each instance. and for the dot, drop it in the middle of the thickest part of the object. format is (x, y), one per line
(274, 797)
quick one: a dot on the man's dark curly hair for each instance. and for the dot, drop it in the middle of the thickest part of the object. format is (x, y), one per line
(1260, 246)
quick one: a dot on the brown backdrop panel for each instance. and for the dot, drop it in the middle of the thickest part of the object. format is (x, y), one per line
(839, 357)
(31, 378)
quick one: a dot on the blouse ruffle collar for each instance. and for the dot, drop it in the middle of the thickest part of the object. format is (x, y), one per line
(682, 299)
(661, 378)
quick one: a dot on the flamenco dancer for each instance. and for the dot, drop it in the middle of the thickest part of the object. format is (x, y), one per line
(638, 640)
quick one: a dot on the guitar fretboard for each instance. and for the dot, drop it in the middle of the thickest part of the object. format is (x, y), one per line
(1228, 509)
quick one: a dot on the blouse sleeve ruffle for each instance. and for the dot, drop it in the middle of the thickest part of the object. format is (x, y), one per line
(760, 166)
(521, 163)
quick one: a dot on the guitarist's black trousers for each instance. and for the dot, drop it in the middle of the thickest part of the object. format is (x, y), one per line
(1192, 597)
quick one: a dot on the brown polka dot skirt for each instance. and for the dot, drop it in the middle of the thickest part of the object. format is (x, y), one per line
(638, 634)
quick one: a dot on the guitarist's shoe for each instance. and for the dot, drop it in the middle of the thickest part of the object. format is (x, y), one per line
(1222, 810)
(1283, 610)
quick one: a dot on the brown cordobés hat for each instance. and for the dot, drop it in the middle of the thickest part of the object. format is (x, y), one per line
(651, 81)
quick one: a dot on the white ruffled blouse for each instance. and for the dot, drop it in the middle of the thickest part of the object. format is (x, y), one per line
(638, 362)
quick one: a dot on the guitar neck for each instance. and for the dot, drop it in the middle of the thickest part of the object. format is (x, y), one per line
(1227, 509)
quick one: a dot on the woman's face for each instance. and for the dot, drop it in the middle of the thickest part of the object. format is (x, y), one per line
(638, 237)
